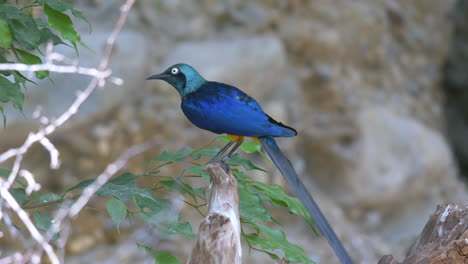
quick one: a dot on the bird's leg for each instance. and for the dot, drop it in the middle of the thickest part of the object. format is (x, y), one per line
(221, 152)
(238, 143)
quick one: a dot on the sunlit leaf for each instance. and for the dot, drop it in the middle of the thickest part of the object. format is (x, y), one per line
(63, 24)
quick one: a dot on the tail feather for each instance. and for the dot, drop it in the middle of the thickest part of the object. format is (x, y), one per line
(285, 167)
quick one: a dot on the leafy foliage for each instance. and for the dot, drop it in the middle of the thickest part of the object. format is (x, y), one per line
(259, 228)
(22, 35)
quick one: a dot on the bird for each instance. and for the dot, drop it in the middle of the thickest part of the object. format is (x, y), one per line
(225, 109)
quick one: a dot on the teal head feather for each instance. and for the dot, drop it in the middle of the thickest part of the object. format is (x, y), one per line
(183, 77)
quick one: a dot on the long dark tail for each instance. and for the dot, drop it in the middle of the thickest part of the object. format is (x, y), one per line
(284, 165)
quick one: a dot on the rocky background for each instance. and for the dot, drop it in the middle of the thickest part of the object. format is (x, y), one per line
(376, 90)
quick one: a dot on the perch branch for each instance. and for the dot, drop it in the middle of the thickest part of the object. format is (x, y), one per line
(218, 239)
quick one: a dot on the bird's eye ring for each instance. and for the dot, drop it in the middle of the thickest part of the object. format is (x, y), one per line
(174, 71)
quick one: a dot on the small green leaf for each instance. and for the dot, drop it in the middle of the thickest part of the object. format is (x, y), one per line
(122, 187)
(272, 238)
(238, 160)
(196, 154)
(49, 197)
(150, 205)
(28, 58)
(25, 31)
(251, 207)
(199, 170)
(20, 195)
(4, 173)
(117, 210)
(224, 139)
(42, 221)
(11, 92)
(80, 186)
(63, 24)
(278, 197)
(183, 189)
(175, 227)
(4, 116)
(173, 156)
(251, 147)
(47, 35)
(162, 257)
(5, 35)
(63, 6)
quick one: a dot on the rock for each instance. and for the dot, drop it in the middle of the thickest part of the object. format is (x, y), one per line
(455, 81)
(255, 64)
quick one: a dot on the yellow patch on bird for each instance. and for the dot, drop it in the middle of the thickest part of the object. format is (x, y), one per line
(256, 140)
(235, 138)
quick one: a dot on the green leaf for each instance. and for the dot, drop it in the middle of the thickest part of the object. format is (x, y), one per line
(4, 116)
(238, 160)
(28, 58)
(24, 29)
(196, 154)
(20, 195)
(224, 139)
(276, 196)
(117, 210)
(11, 92)
(272, 238)
(160, 257)
(173, 156)
(47, 35)
(80, 185)
(42, 221)
(251, 207)
(4, 173)
(5, 35)
(199, 170)
(183, 189)
(149, 205)
(62, 7)
(49, 197)
(122, 187)
(172, 228)
(251, 147)
(63, 24)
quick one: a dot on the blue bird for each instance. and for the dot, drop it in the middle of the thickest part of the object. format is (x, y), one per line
(222, 108)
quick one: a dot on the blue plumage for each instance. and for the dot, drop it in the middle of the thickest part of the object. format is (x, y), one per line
(222, 108)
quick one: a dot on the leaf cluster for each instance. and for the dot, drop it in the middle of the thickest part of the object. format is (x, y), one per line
(23, 33)
(127, 199)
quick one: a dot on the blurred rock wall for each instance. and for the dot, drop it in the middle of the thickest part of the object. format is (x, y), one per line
(360, 80)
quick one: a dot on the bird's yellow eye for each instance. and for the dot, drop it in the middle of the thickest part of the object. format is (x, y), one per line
(174, 71)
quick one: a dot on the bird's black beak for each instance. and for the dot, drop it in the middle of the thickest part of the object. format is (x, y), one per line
(161, 76)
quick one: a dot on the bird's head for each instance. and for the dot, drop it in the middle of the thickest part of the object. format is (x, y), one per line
(183, 77)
